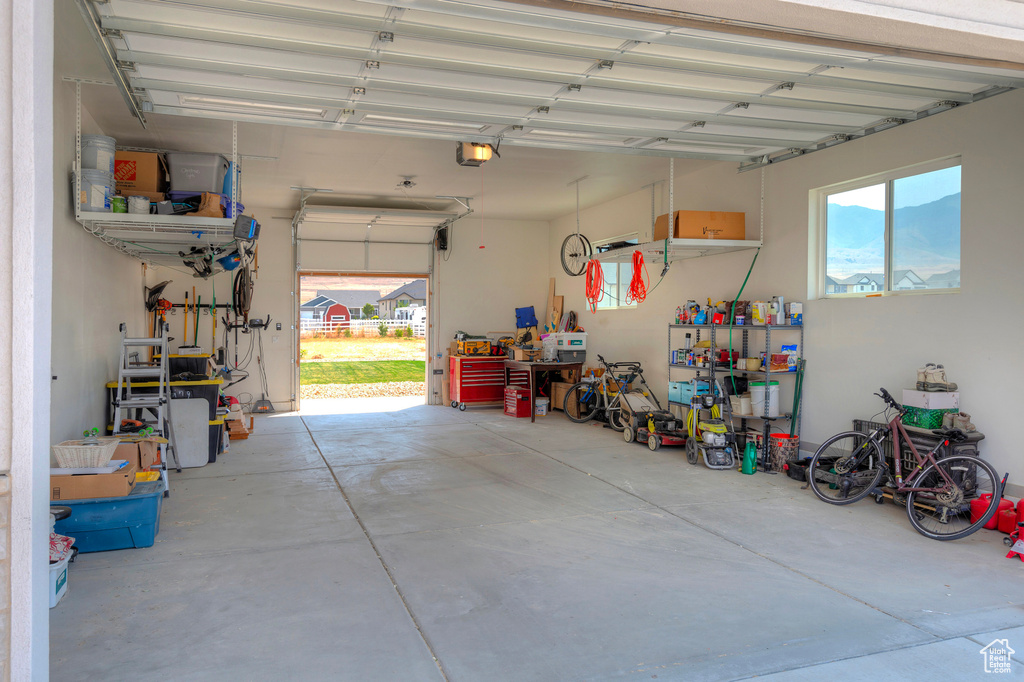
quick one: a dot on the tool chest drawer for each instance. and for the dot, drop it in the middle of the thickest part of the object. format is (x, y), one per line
(477, 380)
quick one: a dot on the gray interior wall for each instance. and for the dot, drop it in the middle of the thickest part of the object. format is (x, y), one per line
(272, 295)
(853, 346)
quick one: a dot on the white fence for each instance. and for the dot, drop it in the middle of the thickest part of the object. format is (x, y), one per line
(361, 327)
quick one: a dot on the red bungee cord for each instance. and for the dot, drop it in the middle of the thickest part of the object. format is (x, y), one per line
(595, 284)
(637, 287)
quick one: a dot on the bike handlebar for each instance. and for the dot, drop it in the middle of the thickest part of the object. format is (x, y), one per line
(884, 395)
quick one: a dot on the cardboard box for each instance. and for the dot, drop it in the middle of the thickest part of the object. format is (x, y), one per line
(152, 196)
(702, 225)
(939, 400)
(558, 391)
(88, 486)
(139, 171)
(140, 454)
(525, 354)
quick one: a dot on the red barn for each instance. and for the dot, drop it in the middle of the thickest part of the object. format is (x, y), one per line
(336, 316)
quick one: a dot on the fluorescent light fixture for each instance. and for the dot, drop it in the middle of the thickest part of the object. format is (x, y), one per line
(353, 215)
(472, 153)
(427, 124)
(249, 106)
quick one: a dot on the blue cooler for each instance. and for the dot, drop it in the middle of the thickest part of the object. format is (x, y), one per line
(104, 523)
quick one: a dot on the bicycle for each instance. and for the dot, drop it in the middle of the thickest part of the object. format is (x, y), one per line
(939, 492)
(585, 399)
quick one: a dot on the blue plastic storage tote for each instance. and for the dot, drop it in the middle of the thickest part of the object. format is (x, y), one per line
(104, 523)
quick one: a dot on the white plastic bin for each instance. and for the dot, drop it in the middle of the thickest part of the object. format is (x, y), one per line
(540, 406)
(98, 152)
(58, 580)
(96, 188)
(192, 172)
(757, 398)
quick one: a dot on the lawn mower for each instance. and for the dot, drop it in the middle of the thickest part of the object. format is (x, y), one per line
(645, 421)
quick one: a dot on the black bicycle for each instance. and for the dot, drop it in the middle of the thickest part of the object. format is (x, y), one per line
(602, 395)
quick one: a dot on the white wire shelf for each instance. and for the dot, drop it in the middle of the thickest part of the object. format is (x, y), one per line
(157, 238)
(678, 249)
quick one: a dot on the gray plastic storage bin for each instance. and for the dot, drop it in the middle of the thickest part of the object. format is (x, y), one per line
(191, 172)
(572, 356)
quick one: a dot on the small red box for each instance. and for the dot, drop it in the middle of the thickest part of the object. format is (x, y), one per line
(517, 402)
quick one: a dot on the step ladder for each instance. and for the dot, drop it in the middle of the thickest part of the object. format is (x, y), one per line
(138, 403)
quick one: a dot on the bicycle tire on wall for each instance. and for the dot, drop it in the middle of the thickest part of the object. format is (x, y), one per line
(828, 486)
(576, 251)
(974, 477)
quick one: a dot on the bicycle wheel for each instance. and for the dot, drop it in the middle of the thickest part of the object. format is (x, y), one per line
(946, 514)
(580, 403)
(616, 420)
(841, 472)
(576, 251)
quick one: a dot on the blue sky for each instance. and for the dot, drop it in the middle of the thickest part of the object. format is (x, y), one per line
(911, 191)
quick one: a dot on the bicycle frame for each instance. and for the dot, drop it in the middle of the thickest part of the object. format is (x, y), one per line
(896, 429)
(603, 401)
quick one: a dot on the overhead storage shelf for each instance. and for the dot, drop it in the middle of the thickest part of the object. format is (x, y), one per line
(678, 249)
(157, 238)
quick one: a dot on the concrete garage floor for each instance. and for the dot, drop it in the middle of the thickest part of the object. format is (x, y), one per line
(431, 544)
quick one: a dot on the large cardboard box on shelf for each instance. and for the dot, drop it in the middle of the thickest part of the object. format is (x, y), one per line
(702, 225)
(88, 486)
(139, 171)
(152, 196)
(141, 454)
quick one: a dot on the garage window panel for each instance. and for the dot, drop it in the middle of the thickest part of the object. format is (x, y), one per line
(616, 275)
(894, 232)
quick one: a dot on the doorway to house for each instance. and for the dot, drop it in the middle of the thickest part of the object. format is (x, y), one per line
(362, 342)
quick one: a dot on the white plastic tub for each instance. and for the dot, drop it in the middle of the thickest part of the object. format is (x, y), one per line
(540, 407)
(59, 580)
(97, 186)
(757, 398)
(98, 152)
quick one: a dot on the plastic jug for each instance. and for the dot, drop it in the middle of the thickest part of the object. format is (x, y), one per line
(749, 465)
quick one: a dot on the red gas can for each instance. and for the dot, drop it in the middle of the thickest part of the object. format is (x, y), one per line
(1007, 520)
(979, 506)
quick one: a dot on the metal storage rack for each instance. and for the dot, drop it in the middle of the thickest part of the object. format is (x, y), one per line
(151, 238)
(709, 372)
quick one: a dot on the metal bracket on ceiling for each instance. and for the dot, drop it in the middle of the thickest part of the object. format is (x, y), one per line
(109, 55)
(463, 201)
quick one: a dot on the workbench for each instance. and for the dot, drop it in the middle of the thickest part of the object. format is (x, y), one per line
(532, 369)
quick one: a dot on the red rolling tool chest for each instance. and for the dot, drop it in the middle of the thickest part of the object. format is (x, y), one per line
(517, 401)
(479, 380)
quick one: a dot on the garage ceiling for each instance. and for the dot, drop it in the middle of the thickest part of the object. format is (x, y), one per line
(511, 74)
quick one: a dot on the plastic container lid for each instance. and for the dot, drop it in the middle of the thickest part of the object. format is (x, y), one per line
(761, 383)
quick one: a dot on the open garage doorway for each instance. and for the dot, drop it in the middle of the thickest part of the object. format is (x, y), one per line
(362, 342)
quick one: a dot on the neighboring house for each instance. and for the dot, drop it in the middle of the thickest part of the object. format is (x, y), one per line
(411, 294)
(354, 300)
(945, 280)
(906, 279)
(833, 287)
(862, 282)
(314, 308)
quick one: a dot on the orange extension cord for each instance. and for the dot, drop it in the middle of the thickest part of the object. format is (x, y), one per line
(595, 284)
(637, 286)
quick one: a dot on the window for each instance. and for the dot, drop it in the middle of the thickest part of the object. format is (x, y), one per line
(893, 232)
(616, 275)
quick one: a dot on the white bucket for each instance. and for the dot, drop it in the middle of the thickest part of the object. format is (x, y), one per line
(757, 398)
(540, 407)
(58, 580)
(96, 189)
(98, 152)
(138, 205)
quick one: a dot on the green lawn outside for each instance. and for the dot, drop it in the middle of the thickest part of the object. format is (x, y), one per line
(362, 372)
